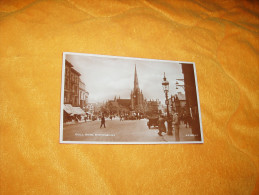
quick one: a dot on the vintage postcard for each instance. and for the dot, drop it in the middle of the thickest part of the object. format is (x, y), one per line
(123, 100)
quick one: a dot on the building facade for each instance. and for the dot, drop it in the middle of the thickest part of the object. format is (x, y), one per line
(138, 103)
(178, 103)
(67, 87)
(71, 88)
(83, 95)
(191, 98)
(91, 109)
(153, 108)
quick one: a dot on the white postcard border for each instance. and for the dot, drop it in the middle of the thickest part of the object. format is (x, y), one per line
(125, 143)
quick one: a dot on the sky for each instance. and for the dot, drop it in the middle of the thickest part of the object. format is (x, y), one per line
(107, 76)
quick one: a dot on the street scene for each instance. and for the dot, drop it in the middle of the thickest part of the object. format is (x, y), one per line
(122, 131)
(128, 100)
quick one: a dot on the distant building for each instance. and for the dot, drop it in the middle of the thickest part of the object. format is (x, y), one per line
(179, 103)
(114, 107)
(83, 95)
(90, 107)
(153, 108)
(124, 102)
(136, 96)
(136, 104)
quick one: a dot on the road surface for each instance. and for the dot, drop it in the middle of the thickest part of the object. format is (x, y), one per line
(120, 131)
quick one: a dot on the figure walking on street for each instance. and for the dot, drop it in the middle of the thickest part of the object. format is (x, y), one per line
(103, 121)
(161, 125)
(176, 126)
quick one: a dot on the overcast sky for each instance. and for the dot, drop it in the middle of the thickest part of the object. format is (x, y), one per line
(107, 76)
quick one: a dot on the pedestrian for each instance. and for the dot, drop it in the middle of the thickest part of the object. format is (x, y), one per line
(176, 126)
(185, 120)
(161, 125)
(182, 116)
(76, 119)
(103, 121)
(188, 121)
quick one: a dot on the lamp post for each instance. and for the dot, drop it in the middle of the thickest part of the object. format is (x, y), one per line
(165, 85)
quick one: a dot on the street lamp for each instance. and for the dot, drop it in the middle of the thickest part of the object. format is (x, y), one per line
(165, 85)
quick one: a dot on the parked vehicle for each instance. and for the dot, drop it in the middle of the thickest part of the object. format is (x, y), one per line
(152, 122)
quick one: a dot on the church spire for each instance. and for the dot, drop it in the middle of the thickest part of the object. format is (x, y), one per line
(136, 86)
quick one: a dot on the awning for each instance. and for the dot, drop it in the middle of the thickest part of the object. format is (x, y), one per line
(78, 110)
(73, 110)
(68, 108)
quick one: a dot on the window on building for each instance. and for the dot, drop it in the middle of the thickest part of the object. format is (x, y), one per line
(67, 72)
(75, 90)
(66, 84)
(72, 77)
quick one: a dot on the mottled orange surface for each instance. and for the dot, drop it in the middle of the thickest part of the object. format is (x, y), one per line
(220, 37)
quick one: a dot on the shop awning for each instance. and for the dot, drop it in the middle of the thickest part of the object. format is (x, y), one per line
(68, 108)
(73, 110)
(78, 110)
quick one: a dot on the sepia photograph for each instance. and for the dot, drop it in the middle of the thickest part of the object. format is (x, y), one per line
(123, 100)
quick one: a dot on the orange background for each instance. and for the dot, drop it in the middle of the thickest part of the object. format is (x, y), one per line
(221, 38)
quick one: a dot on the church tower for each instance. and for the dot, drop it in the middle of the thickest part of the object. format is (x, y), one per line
(137, 99)
(136, 86)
